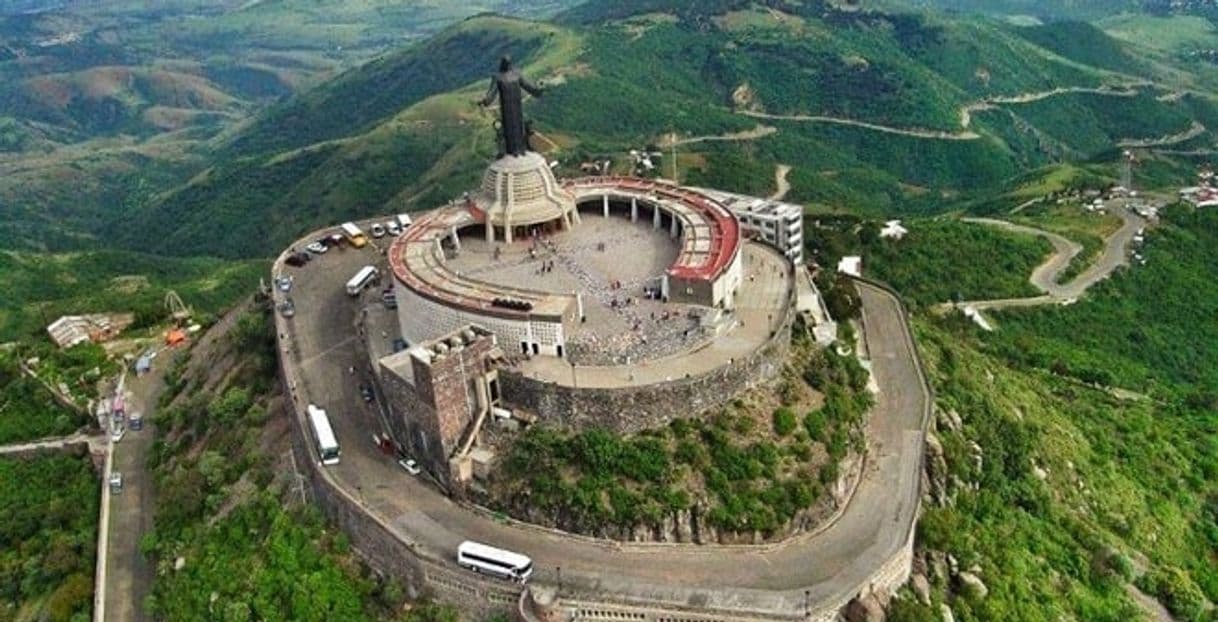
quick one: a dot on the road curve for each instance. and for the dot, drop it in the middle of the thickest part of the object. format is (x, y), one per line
(1044, 277)
(769, 581)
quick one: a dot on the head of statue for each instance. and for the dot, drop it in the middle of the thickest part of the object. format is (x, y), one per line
(505, 63)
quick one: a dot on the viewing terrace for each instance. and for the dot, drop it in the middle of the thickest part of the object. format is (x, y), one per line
(709, 231)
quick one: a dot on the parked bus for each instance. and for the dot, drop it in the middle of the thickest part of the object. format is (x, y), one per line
(366, 275)
(327, 445)
(355, 236)
(488, 559)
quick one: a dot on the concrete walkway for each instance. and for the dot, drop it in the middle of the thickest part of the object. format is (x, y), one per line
(96, 444)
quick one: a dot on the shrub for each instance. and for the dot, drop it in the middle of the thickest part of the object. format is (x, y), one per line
(784, 421)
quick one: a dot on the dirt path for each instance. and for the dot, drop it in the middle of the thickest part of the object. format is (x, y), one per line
(94, 442)
(761, 131)
(780, 180)
(887, 129)
(966, 113)
(1195, 130)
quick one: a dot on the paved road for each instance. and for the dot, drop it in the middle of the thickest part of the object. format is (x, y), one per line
(1044, 277)
(831, 565)
(128, 576)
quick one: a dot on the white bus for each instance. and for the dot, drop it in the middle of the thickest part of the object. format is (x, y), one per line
(361, 280)
(488, 559)
(327, 445)
(354, 235)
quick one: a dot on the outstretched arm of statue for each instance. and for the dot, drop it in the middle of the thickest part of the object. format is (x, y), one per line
(491, 93)
(532, 89)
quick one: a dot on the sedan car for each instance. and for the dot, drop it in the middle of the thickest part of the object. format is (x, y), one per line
(365, 392)
(284, 283)
(378, 230)
(409, 465)
(116, 482)
(317, 248)
(287, 308)
(393, 228)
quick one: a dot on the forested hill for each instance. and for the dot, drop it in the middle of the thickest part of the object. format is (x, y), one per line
(873, 111)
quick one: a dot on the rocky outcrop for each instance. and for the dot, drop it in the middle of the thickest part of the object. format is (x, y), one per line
(936, 472)
(971, 585)
(921, 588)
(865, 609)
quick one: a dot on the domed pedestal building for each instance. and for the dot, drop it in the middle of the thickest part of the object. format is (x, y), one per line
(519, 192)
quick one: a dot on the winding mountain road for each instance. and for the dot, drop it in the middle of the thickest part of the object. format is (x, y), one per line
(1044, 277)
(1130, 89)
(819, 570)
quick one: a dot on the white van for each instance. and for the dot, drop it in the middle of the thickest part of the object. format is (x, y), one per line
(404, 221)
(361, 280)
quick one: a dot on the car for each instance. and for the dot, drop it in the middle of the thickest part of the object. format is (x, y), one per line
(393, 228)
(378, 230)
(284, 283)
(116, 483)
(287, 308)
(390, 299)
(399, 344)
(317, 248)
(118, 433)
(365, 391)
(410, 466)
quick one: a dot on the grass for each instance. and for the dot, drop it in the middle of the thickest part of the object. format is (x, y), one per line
(1177, 33)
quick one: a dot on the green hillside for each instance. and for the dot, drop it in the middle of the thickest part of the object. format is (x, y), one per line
(40, 287)
(874, 112)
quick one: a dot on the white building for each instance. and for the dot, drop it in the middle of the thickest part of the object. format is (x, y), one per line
(776, 223)
(851, 264)
(893, 230)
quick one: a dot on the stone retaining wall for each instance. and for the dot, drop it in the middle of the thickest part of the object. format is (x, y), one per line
(626, 410)
(390, 551)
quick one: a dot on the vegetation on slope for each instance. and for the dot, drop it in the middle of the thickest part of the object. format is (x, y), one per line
(939, 260)
(27, 409)
(228, 504)
(1150, 328)
(1058, 494)
(751, 468)
(48, 537)
(1074, 493)
(41, 287)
